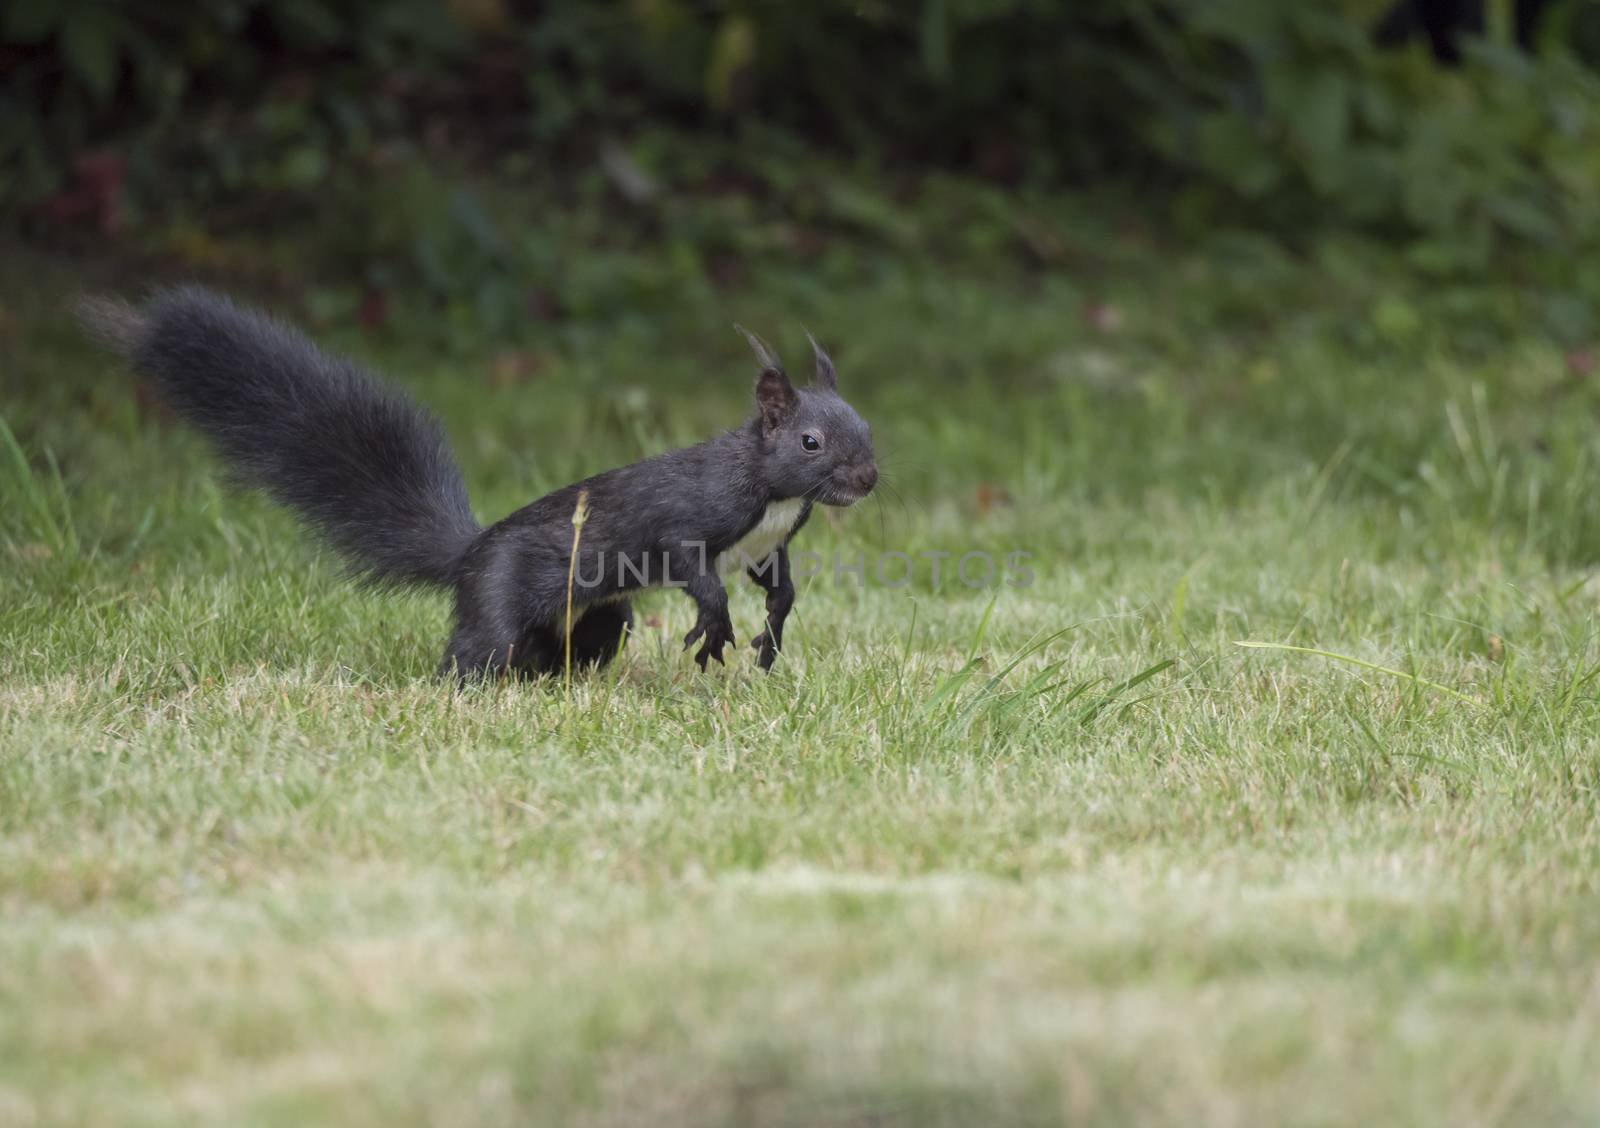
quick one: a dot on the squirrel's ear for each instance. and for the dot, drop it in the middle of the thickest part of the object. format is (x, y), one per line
(826, 377)
(776, 398)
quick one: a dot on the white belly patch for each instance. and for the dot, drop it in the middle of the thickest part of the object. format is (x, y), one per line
(767, 534)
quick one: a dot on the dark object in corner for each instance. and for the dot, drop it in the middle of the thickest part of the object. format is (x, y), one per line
(1445, 21)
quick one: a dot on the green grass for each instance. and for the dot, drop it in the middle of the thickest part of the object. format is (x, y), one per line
(1057, 854)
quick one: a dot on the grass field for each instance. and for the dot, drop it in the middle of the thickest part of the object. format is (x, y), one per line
(1062, 853)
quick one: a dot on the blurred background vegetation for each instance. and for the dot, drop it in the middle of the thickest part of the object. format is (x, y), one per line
(466, 155)
(1247, 319)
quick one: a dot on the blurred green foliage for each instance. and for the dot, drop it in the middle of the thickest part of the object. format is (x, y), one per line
(381, 113)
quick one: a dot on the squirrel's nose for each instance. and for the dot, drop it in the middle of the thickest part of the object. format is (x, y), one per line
(867, 477)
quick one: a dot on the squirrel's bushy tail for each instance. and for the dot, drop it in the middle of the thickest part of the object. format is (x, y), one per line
(364, 465)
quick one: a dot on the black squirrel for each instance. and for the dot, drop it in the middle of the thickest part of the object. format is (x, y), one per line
(372, 472)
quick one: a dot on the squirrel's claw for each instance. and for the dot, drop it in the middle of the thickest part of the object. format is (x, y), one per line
(716, 636)
(706, 652)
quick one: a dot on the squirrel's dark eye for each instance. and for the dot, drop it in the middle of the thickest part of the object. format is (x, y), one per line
(810, 441)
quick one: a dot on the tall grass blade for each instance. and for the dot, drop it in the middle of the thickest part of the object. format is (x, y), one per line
(1365, 665)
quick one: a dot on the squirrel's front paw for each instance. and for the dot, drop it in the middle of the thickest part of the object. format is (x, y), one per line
(716, 633)
(766, 649)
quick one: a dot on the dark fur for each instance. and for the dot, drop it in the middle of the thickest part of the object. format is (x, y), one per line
(372, 472)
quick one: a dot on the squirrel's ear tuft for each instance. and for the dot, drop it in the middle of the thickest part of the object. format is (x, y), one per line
(826, 377)
(763, 351)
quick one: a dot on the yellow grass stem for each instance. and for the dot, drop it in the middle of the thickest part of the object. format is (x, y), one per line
(580, 514)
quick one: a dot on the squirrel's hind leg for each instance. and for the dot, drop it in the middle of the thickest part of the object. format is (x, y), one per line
(491, 639)
(473, 653)
(510, 616)
(500, 626)
(599, 636)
